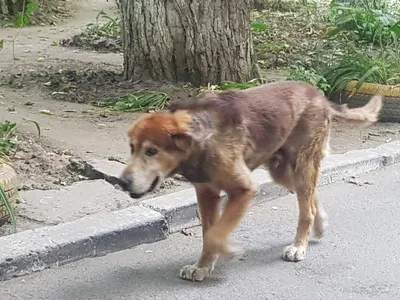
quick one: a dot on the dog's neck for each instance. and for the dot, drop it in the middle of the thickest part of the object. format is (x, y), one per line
(194, 170)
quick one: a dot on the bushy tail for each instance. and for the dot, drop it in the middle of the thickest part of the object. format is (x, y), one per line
(365, 115)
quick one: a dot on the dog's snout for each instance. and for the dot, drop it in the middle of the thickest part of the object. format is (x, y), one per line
(125, 182)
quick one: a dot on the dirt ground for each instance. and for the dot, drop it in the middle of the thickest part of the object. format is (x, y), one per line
(74, 126)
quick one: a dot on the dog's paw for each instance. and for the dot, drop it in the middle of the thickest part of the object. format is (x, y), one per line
(294, 253)
(194, 273)
(226, 250)
(320, 224)
(319, 228)
(232, 251)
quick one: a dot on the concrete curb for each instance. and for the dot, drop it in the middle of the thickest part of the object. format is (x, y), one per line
(152, 221)
(96, 235)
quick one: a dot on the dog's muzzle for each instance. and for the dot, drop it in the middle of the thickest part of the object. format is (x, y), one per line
(126, 184)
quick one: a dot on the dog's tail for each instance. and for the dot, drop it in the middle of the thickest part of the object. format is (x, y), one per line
(365, 115)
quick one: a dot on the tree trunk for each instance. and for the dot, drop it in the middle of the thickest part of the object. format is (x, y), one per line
(11, 7)
(197, 41)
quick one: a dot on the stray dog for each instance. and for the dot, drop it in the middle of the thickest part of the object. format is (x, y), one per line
(217, 140)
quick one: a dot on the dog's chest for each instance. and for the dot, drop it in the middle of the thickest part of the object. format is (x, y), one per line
(194, 174)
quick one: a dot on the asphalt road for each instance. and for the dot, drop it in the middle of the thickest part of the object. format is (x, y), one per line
(357, 259)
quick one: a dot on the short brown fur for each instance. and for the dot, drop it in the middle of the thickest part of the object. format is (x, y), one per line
(220, 138)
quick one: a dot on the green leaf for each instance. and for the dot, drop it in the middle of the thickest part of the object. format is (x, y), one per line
(31, 8)
(365, 76)
(333, 32)
(10, 211)
(396, 29)
(22, 20)
(344, 19)
(258, 26)
(1, 44)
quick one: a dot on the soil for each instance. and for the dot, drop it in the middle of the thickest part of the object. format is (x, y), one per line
(39, 76)
(43, 167)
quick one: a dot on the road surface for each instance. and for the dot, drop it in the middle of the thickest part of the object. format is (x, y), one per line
(357, 259)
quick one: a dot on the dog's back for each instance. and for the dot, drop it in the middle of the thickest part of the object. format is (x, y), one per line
(268, 112)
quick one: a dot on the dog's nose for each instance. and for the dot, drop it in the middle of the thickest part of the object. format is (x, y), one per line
(125, 182)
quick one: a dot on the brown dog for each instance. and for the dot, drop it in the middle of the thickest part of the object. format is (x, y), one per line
(218, 139)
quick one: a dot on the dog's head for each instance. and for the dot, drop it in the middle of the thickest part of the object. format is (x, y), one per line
(159, 142)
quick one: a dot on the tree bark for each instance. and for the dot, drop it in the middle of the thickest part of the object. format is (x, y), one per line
(11, 7)
(197, 41)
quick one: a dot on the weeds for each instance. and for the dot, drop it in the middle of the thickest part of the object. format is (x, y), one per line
(9, 145)
(111, 28)
(9, 209)
(229, 85)
(24, 18)
(100, 36)
(138, 101)
(383, 68)
(311, 76)
(9, 139)
(365, 23)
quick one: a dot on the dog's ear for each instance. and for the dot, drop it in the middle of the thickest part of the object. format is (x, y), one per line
(176, 123)
(190, 128)
(182, 141)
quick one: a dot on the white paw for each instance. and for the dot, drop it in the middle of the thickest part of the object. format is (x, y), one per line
(294, 253)
(194, 273)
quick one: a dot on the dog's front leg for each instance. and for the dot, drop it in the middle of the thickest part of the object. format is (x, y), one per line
(209, 207)
(216, 239)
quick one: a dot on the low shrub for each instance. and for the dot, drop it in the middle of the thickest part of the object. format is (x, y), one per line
(381, 68)
(365, 23)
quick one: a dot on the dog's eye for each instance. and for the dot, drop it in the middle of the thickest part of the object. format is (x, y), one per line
(151, 152)
(132, 148)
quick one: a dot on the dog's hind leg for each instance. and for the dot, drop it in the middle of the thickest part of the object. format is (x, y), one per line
(209, 207)
(306, 176)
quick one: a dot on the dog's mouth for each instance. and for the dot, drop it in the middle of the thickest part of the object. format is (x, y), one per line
(152, 188)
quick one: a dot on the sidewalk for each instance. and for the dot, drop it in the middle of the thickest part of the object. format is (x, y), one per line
(356, 259)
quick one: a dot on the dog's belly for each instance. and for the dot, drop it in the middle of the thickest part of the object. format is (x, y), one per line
(254, 160)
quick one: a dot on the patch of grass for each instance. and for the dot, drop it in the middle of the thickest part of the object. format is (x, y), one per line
(311, 76)
(381, 68)
(4, 199)
(271, 47)
(367, 23)
(138, 101)
(8, 140)
(111, 28)
(103, 36)
(230, 85)
(24, 18)
(258, 27)
(9, 145)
